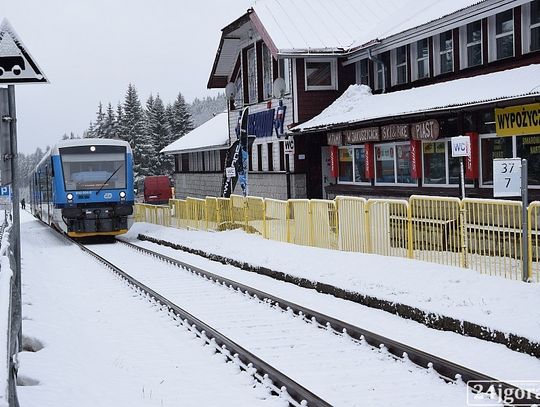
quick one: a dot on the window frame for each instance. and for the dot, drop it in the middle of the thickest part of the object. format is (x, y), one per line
(395, 66)
(353, 182)
(416, 60)
(464, 46)
(285, 72)
(361, 73)
(437, 53)
(527, 27)
(251, 71)
(493, 37)
(394, 145)
(267, 73)
(333, 74)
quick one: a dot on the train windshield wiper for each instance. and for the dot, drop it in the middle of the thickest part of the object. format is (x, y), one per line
(108, 179)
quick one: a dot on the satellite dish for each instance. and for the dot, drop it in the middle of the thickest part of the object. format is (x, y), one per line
(278, 88)
(230, 90)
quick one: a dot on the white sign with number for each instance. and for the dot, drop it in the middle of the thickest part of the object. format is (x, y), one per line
(506, 177)
(230, 172)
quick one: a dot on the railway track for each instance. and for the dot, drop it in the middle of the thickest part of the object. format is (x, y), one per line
(280, 383)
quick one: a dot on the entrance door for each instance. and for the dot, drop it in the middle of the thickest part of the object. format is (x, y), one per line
(327, 177)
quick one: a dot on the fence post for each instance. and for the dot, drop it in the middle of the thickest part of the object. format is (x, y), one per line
(463, 233)
(524, 220)
(410, 242)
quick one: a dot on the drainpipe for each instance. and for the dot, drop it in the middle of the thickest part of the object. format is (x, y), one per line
(379, 62)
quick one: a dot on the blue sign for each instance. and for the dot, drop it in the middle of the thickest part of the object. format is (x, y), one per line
(5, 191)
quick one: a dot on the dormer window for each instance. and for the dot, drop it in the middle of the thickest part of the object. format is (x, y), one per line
(320, 74)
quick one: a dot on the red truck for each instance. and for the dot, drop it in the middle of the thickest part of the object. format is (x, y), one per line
(157, 189)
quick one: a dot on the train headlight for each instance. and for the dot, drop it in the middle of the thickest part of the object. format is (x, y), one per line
(69, 197)
(122, 194)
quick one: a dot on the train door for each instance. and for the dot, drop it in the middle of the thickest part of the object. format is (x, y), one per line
(48, 192)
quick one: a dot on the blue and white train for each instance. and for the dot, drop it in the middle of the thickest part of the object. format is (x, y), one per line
(84, 187)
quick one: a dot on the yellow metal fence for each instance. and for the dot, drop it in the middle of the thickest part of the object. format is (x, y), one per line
(481, 234)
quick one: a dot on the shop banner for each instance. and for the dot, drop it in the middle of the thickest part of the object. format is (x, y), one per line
(334, 161)
(334, 138)
(369, 169)
(472, 161)
(416, 159)
(518, 120)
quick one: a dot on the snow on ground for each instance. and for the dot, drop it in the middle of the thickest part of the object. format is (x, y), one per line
(97, 344)
(492, 359)
(507, 305)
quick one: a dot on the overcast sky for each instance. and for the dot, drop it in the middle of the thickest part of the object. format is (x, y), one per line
(90, 50)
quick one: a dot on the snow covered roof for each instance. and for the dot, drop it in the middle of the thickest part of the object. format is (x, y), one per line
(297, 27)
(210, 135)
(358, 104)
(337, 25)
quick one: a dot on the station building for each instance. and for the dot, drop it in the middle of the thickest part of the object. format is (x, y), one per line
(372, 95)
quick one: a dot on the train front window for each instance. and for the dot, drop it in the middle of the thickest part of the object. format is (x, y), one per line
(94, 168)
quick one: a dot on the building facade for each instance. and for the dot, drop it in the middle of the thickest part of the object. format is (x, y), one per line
(372, 100)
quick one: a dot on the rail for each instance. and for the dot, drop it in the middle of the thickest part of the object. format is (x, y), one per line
(447, 370)
(268, 376)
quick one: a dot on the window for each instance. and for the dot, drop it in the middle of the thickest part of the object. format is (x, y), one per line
(420, 52)
(259, 157)
(444, 47)
(104, 167)
(362, 73)
(270, 147)
(252, 75)
(501, 28)
(528, 147)
(285, 72)
(379, 76)
(352, 165)
(267, 73)
(345, 164)
(320, 74)
(471, 40)
(239, 97)
(282, 156)
(212, 161)
(440, 168)
(531, 26)
(492, 147)
(399, 65)
(393, 163)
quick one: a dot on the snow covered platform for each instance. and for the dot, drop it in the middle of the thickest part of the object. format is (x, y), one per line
(442, 297)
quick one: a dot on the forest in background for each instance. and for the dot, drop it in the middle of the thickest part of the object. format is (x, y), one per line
(147, 128)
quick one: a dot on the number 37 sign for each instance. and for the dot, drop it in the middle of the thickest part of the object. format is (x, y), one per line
(507, 177)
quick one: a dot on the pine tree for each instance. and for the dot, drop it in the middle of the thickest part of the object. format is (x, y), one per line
(99, 126)
(179, 119)
(134, 132)
(158, 129)
(109, 123)
(119, 122)
(90, 132)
